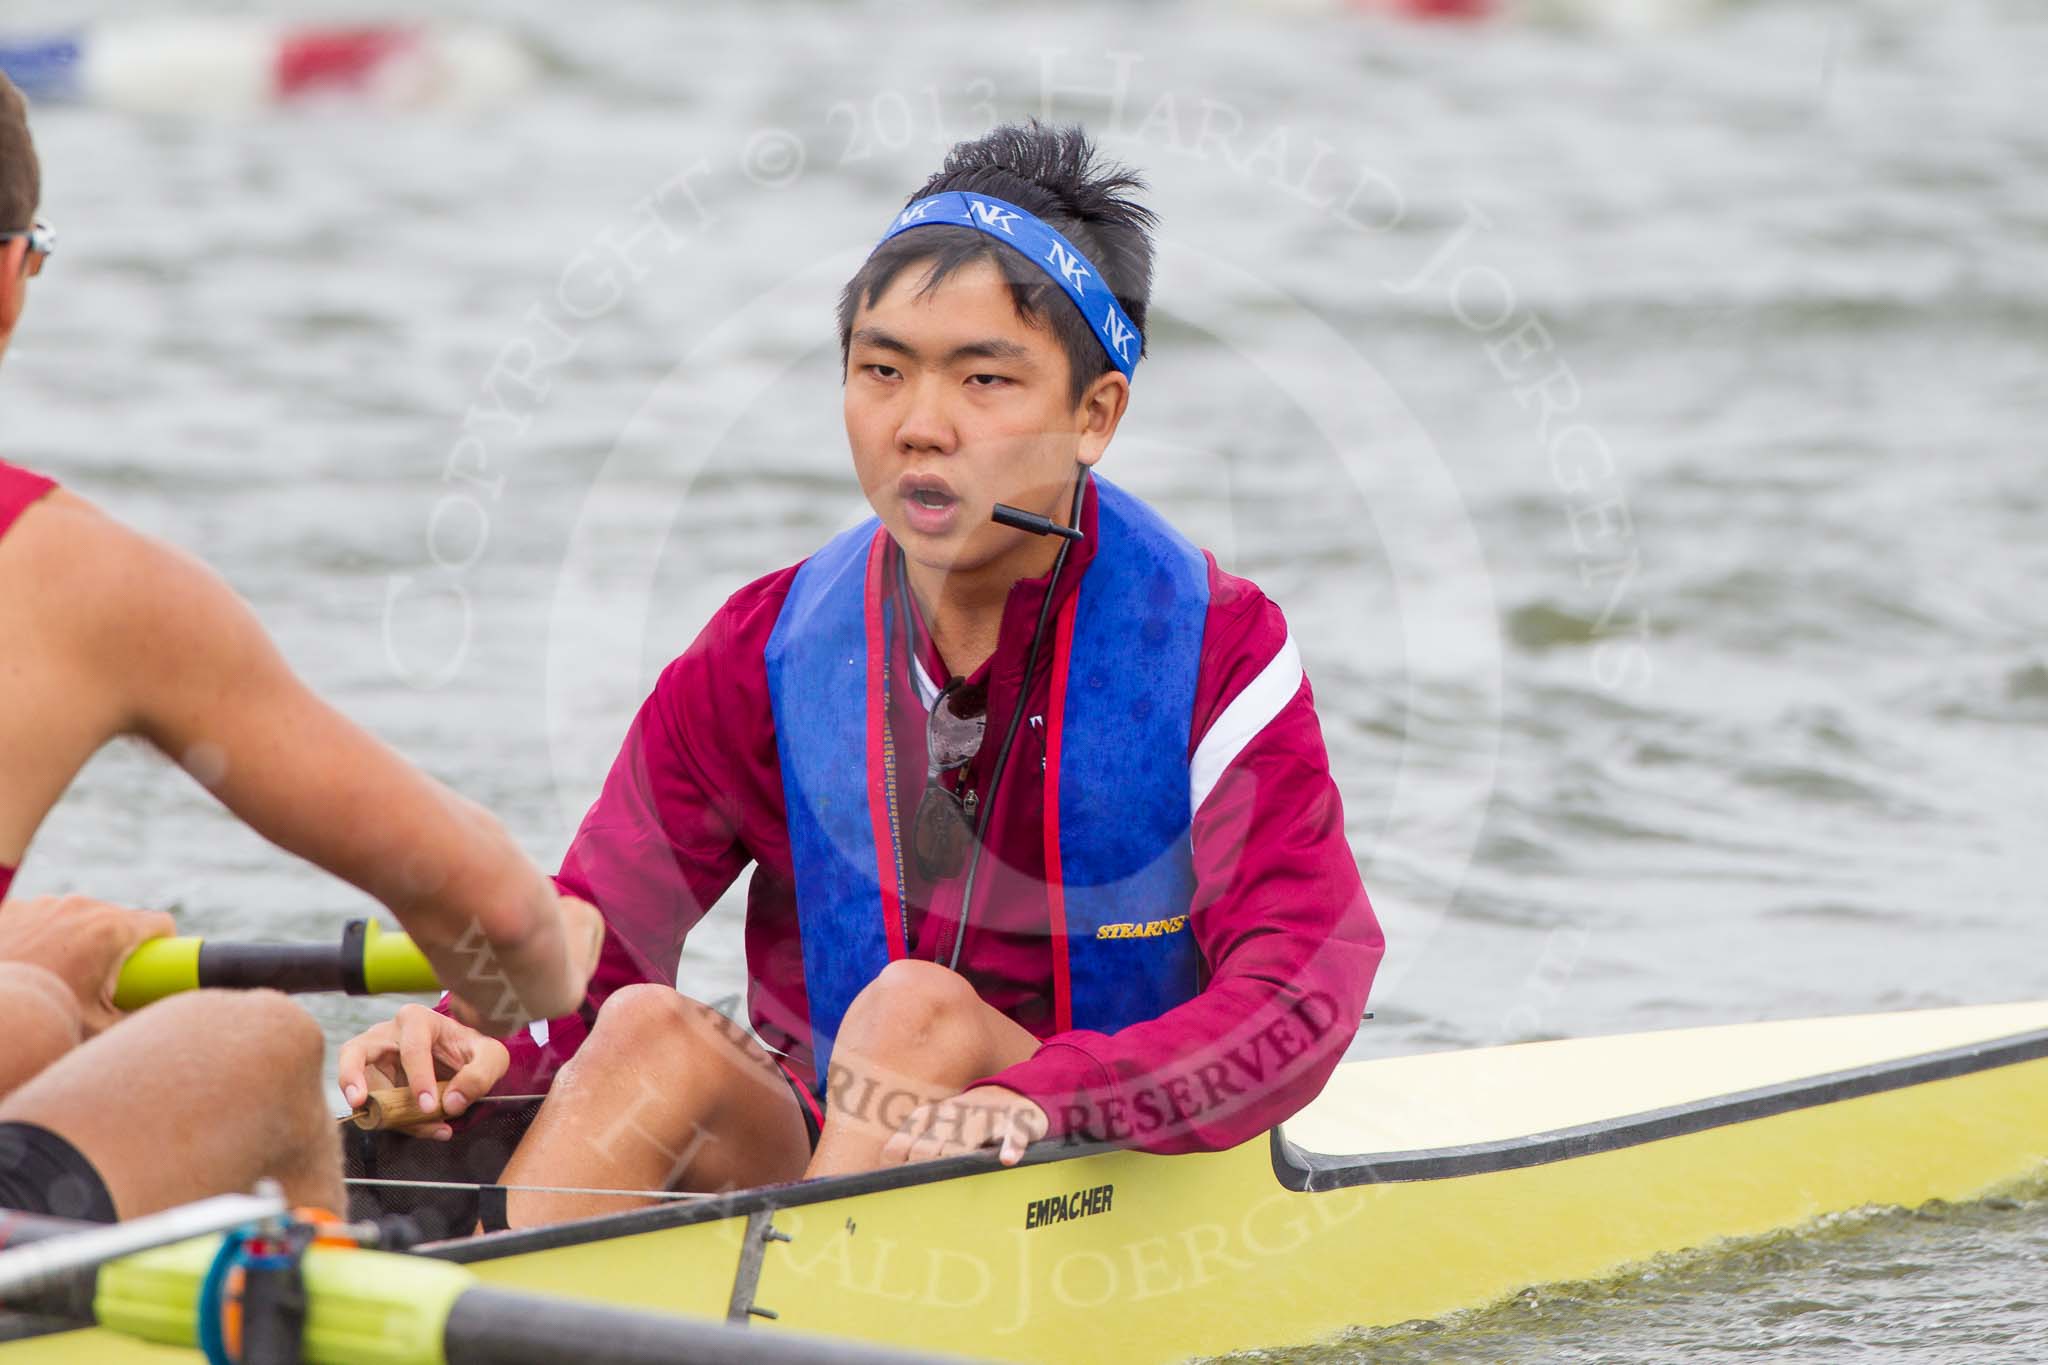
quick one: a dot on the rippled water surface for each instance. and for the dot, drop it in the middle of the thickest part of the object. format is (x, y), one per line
(1942, 1283)
(1641, 426)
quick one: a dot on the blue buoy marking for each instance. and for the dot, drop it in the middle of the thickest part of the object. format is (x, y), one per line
(45, 68)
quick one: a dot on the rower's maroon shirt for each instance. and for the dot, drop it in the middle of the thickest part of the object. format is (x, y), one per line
(1286, 932)
(19, 490)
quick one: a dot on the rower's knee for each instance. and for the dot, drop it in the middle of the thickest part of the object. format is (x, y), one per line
(275, 1038)
(649, 1013)
(647, 1025)
(291, 1036)
(272, 1036)
(263, 1030)
(910, 1006)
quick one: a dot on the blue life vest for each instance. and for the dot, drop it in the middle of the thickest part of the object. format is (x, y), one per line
(1120, 874)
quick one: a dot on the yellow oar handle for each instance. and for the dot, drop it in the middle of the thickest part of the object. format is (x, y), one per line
(392, 965)
(367, 961)
(160, 967)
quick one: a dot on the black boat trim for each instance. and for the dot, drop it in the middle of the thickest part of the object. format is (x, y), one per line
(741, 1203)
(1313, 1171)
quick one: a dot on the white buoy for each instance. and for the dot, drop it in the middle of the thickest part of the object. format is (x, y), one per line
(225, 64)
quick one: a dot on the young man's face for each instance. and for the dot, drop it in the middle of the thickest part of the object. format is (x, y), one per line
(955, 403)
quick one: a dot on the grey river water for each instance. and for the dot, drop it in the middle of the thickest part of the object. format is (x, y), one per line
(1642, 428)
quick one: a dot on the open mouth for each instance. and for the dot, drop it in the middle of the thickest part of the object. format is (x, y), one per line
(928, 498)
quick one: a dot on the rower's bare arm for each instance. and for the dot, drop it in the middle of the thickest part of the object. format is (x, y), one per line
(200, 679)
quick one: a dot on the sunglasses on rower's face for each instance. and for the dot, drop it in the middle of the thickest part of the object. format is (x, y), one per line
(944, 826)
(42, 240)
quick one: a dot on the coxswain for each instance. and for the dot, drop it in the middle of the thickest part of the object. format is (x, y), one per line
(1043, 833)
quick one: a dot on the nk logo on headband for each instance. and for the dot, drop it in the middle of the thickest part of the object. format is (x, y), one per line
(915, 213)
(992, 216)
(1116, 334)
(1069, 264)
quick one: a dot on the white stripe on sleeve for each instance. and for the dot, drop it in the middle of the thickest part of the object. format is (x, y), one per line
(1249, 712)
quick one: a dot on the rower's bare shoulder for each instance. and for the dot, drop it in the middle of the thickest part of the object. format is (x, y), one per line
(46, 526)
(111, 590)
(75, 555)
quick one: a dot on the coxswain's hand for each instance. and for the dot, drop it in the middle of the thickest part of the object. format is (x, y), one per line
(83, 942)
(986, 1116)
(418, 1048)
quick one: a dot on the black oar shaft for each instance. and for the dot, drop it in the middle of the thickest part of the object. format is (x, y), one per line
(501, 1327)
(294, 968)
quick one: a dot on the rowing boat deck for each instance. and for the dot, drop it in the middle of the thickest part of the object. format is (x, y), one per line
(1437, 1100)
(1413, 1187)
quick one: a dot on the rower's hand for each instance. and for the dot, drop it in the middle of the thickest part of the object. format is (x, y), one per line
(582, 931)
(986, 1116)
(84, 942)
(416, 1048)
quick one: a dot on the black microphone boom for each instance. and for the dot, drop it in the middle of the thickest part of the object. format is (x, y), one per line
(1032, 522)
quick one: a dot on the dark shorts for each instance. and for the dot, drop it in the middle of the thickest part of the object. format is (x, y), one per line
(813, 1110)
(40, 1172)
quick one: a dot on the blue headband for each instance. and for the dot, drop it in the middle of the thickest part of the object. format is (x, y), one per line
(1045, 248)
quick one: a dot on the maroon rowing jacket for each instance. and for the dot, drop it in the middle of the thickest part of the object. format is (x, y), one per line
(1287, 935)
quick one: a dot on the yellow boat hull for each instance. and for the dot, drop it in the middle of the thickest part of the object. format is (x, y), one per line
(1164, 1258)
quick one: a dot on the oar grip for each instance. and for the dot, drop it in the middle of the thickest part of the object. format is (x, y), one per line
(396, 1107)
(394, 965)
(160, 967)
